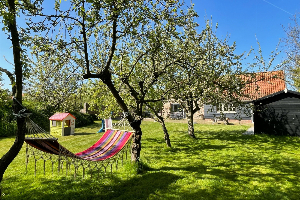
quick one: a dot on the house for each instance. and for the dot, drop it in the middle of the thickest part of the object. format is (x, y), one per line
(173, 110)
(62, 123)
(258, 85)
(278, 114)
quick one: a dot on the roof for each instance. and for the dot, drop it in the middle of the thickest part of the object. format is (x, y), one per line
(278, 95)
(60, 116)
(263, 84)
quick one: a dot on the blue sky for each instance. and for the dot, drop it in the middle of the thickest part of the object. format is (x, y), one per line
(246, 20)
(242, 20)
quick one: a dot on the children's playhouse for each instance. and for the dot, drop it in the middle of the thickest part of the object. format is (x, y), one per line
(62, 123)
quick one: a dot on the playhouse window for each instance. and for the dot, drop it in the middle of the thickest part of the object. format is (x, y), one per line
(67, 123)
(53, 123)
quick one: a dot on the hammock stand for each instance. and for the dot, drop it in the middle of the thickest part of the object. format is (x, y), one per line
(113, 146)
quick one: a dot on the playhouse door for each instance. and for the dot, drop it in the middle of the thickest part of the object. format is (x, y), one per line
(67, 128)
(67, 131)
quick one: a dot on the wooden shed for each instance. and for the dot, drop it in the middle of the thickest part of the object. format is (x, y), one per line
(62, 123)
(278, 114)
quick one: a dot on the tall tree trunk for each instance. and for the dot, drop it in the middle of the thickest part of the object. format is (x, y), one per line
(20, 137)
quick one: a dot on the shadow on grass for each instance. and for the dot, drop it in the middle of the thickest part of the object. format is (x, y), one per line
(85, 133)
(237, 137)
(232, 184)
(139, 187)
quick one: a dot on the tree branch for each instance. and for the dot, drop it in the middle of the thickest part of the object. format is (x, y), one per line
(11, 78)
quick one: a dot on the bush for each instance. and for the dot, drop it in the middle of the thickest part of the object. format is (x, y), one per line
(83, 119)
(8, 128)
(40, 116)
(8, 125)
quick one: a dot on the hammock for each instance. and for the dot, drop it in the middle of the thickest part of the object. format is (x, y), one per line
(108, 146)
(111, 143)
(107, 150)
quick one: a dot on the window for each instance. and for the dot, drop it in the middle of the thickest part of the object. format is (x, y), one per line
(67, 123)
(226, 108)
(53, 123)
(175, 107)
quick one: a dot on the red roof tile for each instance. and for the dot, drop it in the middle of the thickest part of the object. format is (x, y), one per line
(263, 83)
(60, 116)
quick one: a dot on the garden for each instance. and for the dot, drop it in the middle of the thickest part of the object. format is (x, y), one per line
(128, 58)
(221, 163)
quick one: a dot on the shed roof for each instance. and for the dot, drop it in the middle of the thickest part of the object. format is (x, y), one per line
(60, 116)
(277, 95)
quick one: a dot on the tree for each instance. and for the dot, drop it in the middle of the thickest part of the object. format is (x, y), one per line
(8, 14)
(292, 63)
(125, 44)
(207, 73)
(54, 80)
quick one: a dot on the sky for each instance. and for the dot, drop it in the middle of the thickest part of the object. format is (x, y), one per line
(245, 21)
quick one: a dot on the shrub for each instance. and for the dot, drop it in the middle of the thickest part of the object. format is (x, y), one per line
(83, 119)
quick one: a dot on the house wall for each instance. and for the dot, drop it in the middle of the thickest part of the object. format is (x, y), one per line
(241, 113)
(278, 115)
(166, 110)
(167, 113)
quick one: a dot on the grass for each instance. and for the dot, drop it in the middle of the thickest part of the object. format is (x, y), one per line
(221, 163)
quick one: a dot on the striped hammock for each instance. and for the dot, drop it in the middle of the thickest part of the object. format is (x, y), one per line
(110, 144)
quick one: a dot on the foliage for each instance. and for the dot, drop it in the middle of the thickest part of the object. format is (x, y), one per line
(293, 51)
(8, 124)
(40, 115)
(54, 80)
(221, 164)
(100, 99)
(207, 72)
(125, 44)
(83, 119)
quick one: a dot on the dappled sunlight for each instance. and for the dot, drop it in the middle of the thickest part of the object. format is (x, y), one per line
(221, 163)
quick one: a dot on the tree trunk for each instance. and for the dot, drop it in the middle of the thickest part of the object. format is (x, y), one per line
(166, 134)
(190, 118)
(20, 137)
(163, 125)
(136, 140)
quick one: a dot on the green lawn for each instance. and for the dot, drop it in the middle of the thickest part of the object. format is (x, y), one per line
(220, 164)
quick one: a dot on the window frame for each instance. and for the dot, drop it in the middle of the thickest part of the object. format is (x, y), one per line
(226, 108)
